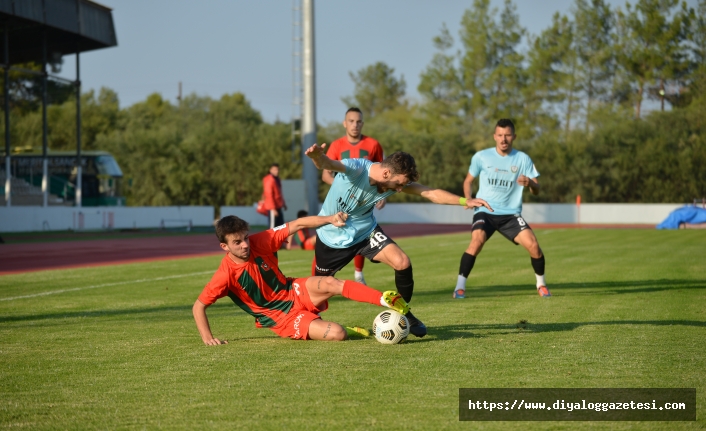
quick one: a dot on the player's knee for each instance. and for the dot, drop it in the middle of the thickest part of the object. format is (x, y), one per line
(332, 285)
(534, 250)
(475, 246)
(336, 333)
(478, 238)
(401, 262)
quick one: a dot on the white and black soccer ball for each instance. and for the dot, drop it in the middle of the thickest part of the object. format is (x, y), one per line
(390, 327)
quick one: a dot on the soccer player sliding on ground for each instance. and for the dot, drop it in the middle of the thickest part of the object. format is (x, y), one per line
(250, 276)
(359, 185)
(504, 173)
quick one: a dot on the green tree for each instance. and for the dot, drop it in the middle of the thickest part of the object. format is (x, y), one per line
(202, 152)
(649, 44)
(440, 83)
(594, 26)
(551, 74)
(99, 115)
(505, 77)
(697, 45)
(484, 80)
(376, 89)
(26, 89)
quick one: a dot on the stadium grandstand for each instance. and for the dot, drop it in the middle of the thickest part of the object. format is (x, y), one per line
(42, 32)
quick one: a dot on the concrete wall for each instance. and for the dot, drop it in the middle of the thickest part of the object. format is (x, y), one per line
(246, 213)
(294, 192)
(27, 219)
(625, 213)
(31, 218)
(533, 213)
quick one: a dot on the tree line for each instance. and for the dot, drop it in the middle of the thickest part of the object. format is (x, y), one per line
(577, 93)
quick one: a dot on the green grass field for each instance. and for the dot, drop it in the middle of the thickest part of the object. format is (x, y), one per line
(116, 347)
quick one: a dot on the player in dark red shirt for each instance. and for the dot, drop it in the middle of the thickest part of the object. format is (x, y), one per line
(354, 145)
(250, 276)
(272, 195)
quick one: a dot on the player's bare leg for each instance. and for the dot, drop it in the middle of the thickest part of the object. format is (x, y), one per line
(478, 239)
(528, 240)
(324, 330)
(393, 256)
(320, 289)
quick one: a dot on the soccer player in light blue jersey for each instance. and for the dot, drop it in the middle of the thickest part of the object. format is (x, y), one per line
(359, 185)
(503, 174)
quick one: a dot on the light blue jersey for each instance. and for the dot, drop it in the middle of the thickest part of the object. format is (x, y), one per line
(498, 179)
(351, 193)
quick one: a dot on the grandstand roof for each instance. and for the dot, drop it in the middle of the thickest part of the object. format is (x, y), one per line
(71, 26)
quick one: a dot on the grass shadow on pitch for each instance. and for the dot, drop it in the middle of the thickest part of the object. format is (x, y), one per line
(450, 332)
(146, 313)
(577, 288)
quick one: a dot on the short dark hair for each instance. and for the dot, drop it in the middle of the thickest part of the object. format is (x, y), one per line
(401, 163)
(302, 213)
(228, 225)
(505, 122)
(273, 165)
(354, 109)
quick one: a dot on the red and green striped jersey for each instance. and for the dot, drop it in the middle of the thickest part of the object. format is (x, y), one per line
(366, 148)
(257, 286)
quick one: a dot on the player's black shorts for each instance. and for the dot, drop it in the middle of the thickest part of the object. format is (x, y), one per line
(509, 226)
(331, 260)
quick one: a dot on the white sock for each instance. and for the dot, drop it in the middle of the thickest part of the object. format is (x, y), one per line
(540, 280)
(358, 274)
(461, 283)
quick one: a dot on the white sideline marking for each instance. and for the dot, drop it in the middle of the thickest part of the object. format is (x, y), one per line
(294, 261)
(119, 283)
(96, 286)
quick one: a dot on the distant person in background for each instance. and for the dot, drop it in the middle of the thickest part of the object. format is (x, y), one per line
(303, 237)
(354, 145)
(272, 194)
(503, 174)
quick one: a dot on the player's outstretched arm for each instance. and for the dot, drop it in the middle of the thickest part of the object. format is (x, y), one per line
(327, 177)
(442, 197)
(318, 155)
(338, 220)
(468, 186)
(204, 328)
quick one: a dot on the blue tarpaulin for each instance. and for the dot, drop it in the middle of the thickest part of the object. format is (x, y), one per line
(688, 214)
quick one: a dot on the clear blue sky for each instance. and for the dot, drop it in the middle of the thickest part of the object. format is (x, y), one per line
(223, 46)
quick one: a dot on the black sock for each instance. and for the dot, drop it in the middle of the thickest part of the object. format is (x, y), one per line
(404, 281)
(467, 262)
(538, 265)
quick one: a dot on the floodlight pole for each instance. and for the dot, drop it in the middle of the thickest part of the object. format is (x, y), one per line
(79, 173)
(6, 88)
(309, 171)
(45, 131)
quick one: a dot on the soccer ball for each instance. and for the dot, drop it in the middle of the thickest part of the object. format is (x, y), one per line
(390, 327)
